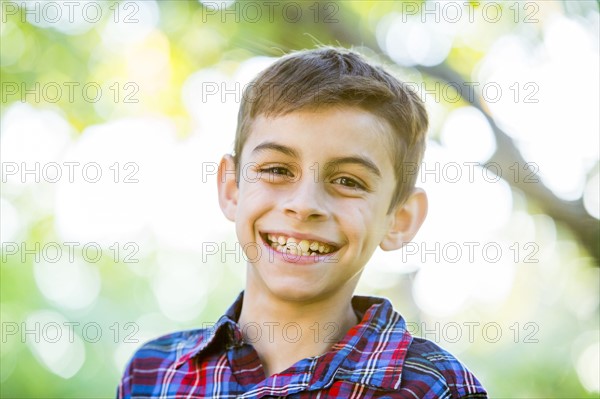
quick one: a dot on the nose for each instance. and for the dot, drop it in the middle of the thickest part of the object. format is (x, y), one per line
(306, 202)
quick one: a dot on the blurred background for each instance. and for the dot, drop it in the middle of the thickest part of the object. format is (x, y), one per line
(114, 115)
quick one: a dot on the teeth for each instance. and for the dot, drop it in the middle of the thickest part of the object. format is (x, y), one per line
(304, 245)
(293, 249)
(294, 246)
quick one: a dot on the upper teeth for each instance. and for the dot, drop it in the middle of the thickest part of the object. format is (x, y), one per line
(295, 246)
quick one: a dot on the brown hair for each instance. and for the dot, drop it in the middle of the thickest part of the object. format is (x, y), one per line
(333, 77)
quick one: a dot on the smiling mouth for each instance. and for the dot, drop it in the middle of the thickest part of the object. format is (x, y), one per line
(295, 246)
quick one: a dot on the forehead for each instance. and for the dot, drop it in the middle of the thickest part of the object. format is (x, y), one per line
(322, 133)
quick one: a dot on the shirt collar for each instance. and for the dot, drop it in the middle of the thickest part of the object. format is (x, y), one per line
(224, 329)
(371, 353)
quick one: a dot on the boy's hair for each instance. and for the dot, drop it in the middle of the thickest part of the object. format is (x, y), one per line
(333, 77)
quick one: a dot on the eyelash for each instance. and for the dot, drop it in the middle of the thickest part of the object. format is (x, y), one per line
(272, 169)
(354, 185)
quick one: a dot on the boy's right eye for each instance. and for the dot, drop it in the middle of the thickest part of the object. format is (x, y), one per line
(277, 170)
(276, 174)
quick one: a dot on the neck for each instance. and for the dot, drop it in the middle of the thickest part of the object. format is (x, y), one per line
(284, 332)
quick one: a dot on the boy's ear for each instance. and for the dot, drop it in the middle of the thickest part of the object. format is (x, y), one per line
(406, 221)
(227, 186)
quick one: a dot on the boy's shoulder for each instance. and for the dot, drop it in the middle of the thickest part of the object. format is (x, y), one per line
(162, 352)
(428, 367)
(416, 365)
(174, 347)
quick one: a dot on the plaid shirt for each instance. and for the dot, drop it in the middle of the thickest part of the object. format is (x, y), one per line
(377, 358)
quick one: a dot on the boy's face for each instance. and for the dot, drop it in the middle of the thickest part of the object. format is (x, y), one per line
(324, 177)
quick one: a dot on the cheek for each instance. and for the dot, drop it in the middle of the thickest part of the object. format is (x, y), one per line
(368, 224)
(254, 200)
(356, 220)
(250, 194)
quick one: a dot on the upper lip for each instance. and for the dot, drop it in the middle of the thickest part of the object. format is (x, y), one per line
(301, 236)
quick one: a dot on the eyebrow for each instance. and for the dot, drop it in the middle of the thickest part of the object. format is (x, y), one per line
(269, 145)
(357, 160)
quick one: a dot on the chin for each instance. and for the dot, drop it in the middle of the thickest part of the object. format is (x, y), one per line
(296, 292)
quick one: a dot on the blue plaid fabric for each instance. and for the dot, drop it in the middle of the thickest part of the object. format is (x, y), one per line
(377, 358)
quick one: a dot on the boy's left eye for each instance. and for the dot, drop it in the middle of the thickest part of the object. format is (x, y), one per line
(348, 182)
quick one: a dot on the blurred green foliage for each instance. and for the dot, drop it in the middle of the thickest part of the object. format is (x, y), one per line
(195, 38)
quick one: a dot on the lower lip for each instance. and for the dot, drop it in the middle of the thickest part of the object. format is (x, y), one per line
(297, 259)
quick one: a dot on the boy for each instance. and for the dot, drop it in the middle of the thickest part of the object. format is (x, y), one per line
(315, 184)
